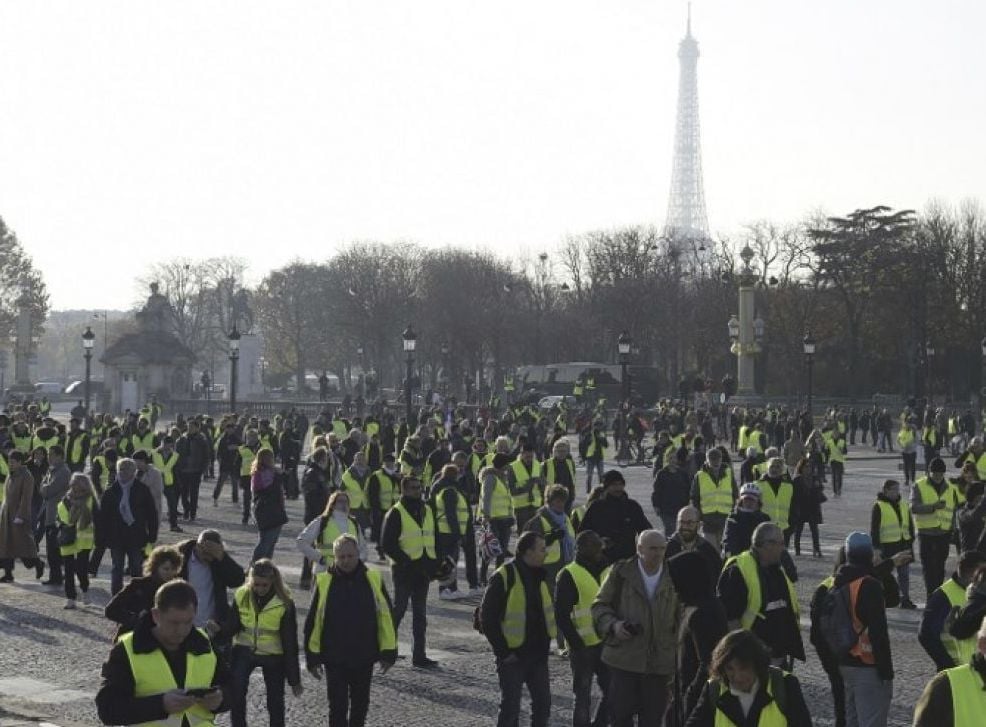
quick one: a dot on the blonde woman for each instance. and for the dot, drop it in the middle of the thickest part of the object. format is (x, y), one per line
(75, 520)
(264, 629)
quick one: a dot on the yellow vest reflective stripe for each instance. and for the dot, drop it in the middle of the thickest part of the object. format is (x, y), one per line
(353, 488)
(167, 467)
(386, 638)
(104, 471)
(940, 519)
(715, 497)
(961, 650)
(83, 537)
(778, 506)
(894, 529)
(261, 632)
(550, 467)
(388, 490)
(247, 456)
(552, 553)
(770, 716)
(417, 540)
(588, 588)
(521, 477)
(514, 624)
(750, 571)
(968, 697)
(501, 505)
(328, 536)
(593, 450)
(152, 676)
(461, 511)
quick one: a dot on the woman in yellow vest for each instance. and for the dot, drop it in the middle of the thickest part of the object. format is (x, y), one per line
(315, 541)
(76, 521)
(264, 629)
(746, 690)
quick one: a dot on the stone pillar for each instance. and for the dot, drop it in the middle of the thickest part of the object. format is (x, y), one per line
(747, 349)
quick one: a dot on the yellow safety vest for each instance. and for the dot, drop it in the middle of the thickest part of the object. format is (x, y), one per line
(741, 438)
(835, 451)
(905, 437)
(750, 570)
(594, 449)
(153, 676)
(261, 631)
(247, 456)
(328, 536)
(514, 624)
(961, 650)
(770, 716)
(75, 455)
(146, 442)
(23, 444)
(416, 540)
(389, 491)
(968, 696)
(894, 528)
(980, 464)
(83, 537)
(386, 638)
(339, 429)
(167, 467)
(501, 505)
(939, 519)
(461, 511)
(550, 466)
(521, 477)
(552, 553)
(46, 443)
(104, 471)
(353, 488)
(778, 506)
(715, 497)
(588, 588)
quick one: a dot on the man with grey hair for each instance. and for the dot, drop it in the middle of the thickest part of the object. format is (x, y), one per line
(127, 521)
(759, 596)
(637, 612)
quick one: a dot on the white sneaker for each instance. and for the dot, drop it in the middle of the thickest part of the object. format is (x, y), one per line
(85, 598)
(69, 605)
(446, 595)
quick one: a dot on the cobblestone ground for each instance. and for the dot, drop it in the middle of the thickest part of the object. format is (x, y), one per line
(50, 658)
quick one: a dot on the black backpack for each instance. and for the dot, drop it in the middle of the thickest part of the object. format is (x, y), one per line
(836, 621)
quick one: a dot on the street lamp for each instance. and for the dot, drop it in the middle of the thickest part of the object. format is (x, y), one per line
(88, 341)
(758, 328)
(623, 346)
(410, 342)
(929, 352)
(734, 328)
(809, 348)
(234, 360)
(446, 349)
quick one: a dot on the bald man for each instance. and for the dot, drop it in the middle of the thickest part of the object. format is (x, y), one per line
(637, 611)
(686, 538)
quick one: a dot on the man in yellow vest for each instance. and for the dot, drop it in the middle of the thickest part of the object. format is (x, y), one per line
(165, 459)
(165, 671)
(943, 605)
(892, 532)
(408, 539)
(713, 492)
(759, 596)
(933, 503)
(577, 586)
(348, 629)
(526, 485)
(956, 697)
(518, 620)
(777, 496)
(976, 454)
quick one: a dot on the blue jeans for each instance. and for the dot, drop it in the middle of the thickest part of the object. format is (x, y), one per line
(135, 559)
(265, 546)
(529, 670)
(244, 662)
(412, 587)
(590, 465)
(867, 696)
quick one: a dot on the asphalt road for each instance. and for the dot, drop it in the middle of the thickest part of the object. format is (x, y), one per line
(50, 658)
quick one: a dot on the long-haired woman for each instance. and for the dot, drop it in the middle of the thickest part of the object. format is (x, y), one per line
(315, 541)
(264, 629)
(268, 503)
(162, 564)
(76, 521)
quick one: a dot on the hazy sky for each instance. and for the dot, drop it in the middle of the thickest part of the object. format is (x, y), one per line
(133, 131)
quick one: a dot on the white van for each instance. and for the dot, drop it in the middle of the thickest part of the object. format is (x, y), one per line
(47, 388)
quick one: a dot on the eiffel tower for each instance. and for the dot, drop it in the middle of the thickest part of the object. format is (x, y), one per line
(686, 219)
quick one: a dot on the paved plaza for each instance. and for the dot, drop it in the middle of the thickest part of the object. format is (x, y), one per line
(50, 658)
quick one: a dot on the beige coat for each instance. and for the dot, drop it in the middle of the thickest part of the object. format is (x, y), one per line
(17, 541)
(623, 598)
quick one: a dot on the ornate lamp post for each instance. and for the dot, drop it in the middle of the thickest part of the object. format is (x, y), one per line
(623, 345)
(745, 332)
(234, 363)
(88, 341)
(929, 352)
(809, 349)
(982, 378)
(446, 349)
(410, 340)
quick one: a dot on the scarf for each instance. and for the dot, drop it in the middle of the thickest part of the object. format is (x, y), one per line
(125, 512)
(567, 542)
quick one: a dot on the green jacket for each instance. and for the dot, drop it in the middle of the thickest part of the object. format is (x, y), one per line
(623, 598)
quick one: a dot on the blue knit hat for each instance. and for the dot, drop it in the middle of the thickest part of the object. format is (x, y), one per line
(859, 545)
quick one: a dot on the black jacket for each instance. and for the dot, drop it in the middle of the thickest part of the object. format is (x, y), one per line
(671, 491)
(115, 700)
(618, 520)
(871, 610)
(112, 531)
(536, 639)
(566, 596)
(226, 574)
(972, 522)
(194, 453)
(127, 606)
(738, 534)
(935, 620)
(796, 711)
(704, 548)
(289, 640)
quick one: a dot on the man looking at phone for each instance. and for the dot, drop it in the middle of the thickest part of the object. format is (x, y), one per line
(637, 612)
(164, 668)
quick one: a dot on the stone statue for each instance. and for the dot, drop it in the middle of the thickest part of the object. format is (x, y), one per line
(156, 316)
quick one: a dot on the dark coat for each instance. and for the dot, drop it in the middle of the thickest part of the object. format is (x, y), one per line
(194, 453)
(112, 532)
(671, 491)
(127, 606)
(738, 535)
(618, 520)
(17, 541)
(871, 610)
(797, 712)
(226, 574)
